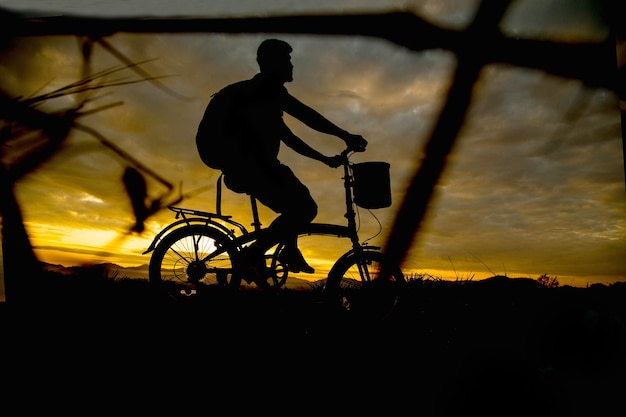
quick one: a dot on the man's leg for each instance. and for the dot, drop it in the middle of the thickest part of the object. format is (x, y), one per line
(285, 194)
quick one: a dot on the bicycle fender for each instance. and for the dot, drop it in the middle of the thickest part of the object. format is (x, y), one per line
(186, 222)
(350, 254)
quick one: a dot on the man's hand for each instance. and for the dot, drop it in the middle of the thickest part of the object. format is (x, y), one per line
(356, 143)
(333, 161)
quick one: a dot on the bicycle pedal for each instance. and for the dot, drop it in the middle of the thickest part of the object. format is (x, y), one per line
(307, 269)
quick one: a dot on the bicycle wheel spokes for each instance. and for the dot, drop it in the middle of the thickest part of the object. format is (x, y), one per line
(189, 259)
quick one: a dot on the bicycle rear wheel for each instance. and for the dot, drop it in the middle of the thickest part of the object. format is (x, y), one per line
(189, 260)
(356, 281)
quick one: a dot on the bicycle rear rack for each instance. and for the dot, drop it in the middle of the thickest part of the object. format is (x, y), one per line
(184, 212)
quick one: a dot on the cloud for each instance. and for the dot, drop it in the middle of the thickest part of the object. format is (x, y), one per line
(535, 183)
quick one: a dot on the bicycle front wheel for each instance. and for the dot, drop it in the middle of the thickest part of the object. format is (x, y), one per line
(190, 259)
(358, 283)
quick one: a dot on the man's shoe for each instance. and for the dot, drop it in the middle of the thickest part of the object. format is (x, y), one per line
(294, 261)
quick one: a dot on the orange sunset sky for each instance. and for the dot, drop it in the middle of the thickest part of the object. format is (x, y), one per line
(535, 184)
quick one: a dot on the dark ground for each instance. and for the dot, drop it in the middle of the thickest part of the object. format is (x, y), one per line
(502, 346)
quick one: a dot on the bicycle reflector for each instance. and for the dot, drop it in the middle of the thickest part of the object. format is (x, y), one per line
(372, 188)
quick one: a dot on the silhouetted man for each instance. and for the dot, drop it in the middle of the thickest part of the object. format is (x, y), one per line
(240, 134)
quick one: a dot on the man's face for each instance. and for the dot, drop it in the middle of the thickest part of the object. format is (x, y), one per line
(282, 67)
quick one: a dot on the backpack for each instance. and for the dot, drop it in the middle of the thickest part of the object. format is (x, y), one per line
(217, 138)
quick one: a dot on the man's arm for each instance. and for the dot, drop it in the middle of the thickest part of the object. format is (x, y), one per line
(315, 120)
(300, 146)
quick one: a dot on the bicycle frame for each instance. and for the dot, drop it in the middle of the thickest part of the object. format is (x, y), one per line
(201, 249)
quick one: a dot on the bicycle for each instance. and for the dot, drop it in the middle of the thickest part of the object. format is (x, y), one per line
(203, 249)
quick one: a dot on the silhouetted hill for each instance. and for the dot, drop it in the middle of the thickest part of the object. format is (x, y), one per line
(104, 268)
(115, 271)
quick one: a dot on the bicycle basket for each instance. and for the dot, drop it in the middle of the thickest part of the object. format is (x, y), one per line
(372, 188)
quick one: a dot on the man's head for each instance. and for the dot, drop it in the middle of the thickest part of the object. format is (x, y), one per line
(274, 57)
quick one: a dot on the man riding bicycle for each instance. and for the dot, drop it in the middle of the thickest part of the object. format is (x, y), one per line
(240, 134)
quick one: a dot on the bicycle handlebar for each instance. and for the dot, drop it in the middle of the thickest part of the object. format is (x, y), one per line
(346, 152)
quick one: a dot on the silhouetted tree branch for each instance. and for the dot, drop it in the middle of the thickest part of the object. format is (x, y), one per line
(21, 118)
(569, 60)
(441, 141)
